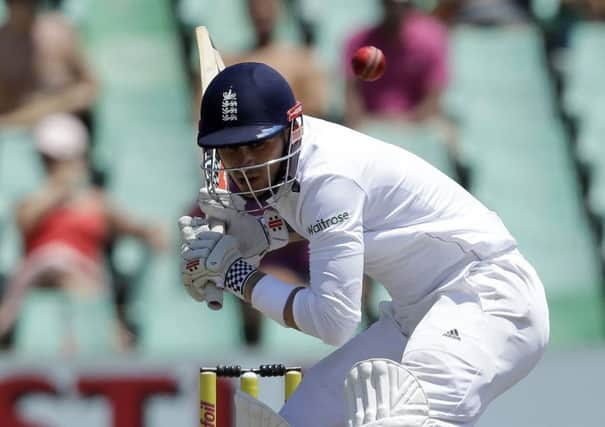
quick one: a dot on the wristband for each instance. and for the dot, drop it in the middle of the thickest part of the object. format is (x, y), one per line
(237, 277)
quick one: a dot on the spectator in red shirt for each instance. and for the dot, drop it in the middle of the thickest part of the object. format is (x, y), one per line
(66, 224)
(416, 75)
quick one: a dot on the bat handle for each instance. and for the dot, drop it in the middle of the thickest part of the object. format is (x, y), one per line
(214, 294)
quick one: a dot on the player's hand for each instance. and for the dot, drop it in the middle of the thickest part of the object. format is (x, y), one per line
(211, 257)
(256, 236)
(207, 259)
(196, 288)
(194, 284)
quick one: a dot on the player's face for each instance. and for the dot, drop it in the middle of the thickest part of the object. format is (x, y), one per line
(254, 154)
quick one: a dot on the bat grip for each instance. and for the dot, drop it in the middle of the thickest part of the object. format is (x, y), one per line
(214, 295)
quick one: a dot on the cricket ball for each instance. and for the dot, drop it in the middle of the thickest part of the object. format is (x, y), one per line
(368, 63)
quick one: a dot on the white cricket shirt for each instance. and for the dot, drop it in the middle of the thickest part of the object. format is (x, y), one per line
(368, 206)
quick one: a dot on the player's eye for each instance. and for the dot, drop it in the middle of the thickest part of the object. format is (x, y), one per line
(230, 150)
(257, 145)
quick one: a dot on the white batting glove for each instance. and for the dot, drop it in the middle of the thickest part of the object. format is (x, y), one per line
(189, 228)
(213, 257)
(256, 236)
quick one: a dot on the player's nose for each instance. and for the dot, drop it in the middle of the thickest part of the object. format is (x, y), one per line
(247, 157)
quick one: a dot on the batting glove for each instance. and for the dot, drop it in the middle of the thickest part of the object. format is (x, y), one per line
(213, 257)
(256, 235)
(194, 284)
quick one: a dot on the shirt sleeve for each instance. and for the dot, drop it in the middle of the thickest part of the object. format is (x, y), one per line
(331, 213)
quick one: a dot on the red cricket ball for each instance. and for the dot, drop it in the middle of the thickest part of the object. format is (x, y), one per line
(368, 63)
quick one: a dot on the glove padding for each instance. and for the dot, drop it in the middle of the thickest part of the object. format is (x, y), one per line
(382, 393)
(256, 236)
(250, 412)
(211, 257)
(189, 227)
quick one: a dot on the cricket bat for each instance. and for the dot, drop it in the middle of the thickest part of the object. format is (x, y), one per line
(211, 64)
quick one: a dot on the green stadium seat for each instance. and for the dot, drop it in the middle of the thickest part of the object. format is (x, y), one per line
(545, 10)
(174, 324)
(78, 11)
(596, 192)
(530, 182)
(20, 168)
(20, 173)
(496, 63)
(584, 82)
(521, 168)
(49, 319)
(41, 327)
(591, 134)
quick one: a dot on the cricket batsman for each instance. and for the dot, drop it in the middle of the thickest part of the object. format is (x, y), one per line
(468, 317)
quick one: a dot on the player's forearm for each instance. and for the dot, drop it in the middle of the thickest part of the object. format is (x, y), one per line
(323, 316)
(272, 297)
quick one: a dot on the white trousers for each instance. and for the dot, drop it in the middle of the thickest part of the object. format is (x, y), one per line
(482, 334)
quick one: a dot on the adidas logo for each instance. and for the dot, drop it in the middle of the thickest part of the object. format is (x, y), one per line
(452, 333)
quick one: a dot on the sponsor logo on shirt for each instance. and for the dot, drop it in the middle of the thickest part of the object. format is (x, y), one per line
(324, 224)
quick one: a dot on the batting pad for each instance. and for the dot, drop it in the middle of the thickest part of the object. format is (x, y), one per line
(382, 393)
(250, 412)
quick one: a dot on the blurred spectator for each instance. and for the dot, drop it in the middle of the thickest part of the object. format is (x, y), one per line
(590, 10)
(46, 72)
(416, 75)
(447, 10)
(295, 62)
(308, 27)
(66, 224)
(54, 4)
(597, 9)
(557, 27)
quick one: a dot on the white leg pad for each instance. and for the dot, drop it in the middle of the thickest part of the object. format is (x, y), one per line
(382, 393)
(250, 412)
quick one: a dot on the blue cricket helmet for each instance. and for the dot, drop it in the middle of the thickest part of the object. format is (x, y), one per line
(244, 103)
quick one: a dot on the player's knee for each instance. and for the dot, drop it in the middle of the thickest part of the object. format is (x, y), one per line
(382, 392)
